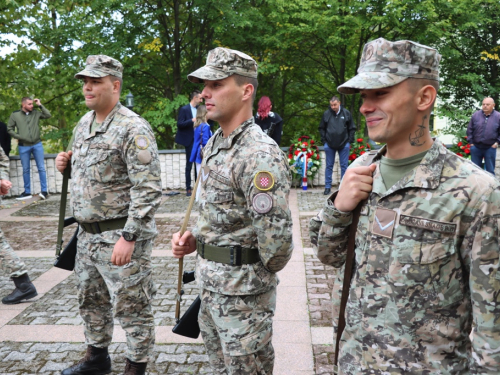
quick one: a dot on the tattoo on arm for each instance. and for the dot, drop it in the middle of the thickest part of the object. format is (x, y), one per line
(415, 141)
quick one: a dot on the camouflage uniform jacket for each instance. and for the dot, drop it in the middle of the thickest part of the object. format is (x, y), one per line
(227, 213)
(4, 165)
(116, 172)
(426, 271)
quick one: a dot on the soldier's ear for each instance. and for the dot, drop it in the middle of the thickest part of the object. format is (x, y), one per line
(426, 97)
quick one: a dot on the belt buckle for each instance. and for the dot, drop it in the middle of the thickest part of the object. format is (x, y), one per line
(235, 255)
(95, 228)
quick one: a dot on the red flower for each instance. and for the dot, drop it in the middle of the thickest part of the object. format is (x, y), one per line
(361, 147)
(359, 140)
(467, 151)
(468, 145)
(465, 137)
(362, 152)
(459, 154)
(312, 141)
(297, 152)
(459, 144)
(317, 157)
(368, 146)
(290, 156)
(352, 157)
(463, 147)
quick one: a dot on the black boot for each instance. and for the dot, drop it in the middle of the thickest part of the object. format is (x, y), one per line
(95, 362)
(24, 290)
(135, 368)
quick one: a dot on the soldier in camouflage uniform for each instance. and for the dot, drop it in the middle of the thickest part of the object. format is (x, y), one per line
(115, 191)
(243, 236)
(10, 262)
(424, 295)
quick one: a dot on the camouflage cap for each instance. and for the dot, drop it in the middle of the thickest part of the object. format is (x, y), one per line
(98, 66)
(385, 64)
(224, 62)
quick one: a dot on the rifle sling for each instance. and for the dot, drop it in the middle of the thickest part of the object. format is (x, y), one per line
(349, 264)
(62, 210)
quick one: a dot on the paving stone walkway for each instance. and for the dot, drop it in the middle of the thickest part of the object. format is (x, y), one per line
(45, 335)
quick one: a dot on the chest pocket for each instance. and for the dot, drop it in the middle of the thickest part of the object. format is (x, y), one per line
(105, 165)
(222, 210)
(218, 189)
(427, 270)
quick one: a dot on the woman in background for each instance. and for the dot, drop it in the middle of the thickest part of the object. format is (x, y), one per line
(271, 123)
(202, 134)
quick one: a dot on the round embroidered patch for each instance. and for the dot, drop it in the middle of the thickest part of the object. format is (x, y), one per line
(142, 142)
(262, 203)
(263, 181)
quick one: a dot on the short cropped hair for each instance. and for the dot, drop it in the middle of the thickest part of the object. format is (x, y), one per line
(25, 99)
(242, 80)
(334, 99)
(114, 79)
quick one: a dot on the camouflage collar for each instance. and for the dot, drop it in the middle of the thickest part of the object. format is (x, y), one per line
(229, 141)
(107, 120)
(426, 175)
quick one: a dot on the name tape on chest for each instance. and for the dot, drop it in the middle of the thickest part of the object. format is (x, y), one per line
(433, 225)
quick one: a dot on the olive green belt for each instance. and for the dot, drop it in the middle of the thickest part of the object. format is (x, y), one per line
(233, 255)
(103, 226)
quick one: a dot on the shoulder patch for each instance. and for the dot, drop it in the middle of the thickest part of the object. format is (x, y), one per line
(141, 142)
(262, 203)
(263, 181)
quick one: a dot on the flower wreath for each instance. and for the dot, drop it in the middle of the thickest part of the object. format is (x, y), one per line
(305, 147)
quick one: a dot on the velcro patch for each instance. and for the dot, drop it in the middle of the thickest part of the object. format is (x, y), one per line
(262, 203)
(263, 181)
(419, 222)
(383, 224)
(144, 156)
(141, 142)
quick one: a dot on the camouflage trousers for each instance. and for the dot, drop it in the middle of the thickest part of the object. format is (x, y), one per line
(10, 263)
(104, 288)
(237, 332)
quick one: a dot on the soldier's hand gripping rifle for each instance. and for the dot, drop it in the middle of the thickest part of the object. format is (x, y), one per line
(187, 325)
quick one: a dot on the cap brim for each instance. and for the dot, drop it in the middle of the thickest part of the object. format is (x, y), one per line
(370, 80)
(207, 73)
(90, 73)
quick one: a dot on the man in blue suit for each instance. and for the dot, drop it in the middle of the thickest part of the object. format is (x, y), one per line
(185, 132)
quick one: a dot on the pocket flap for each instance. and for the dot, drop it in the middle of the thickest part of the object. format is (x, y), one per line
(425, 253)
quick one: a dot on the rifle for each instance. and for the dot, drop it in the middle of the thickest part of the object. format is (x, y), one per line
(66, 258)
(187, 325)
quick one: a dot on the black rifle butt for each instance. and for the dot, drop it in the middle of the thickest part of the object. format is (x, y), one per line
(188, 277)
(187, 325)
(66, 259)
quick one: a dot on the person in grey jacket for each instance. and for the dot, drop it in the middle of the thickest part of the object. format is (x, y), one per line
(483, 134)
(26, 122)
(337, 130)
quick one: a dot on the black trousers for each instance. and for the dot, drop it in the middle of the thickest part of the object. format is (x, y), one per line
(189, 165)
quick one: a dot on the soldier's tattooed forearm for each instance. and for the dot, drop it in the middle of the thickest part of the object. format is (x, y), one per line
(419, 133)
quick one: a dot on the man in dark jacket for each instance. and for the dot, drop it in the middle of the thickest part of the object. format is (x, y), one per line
(185, 132)
(483, 134)
(5, 138)
(337, 130)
